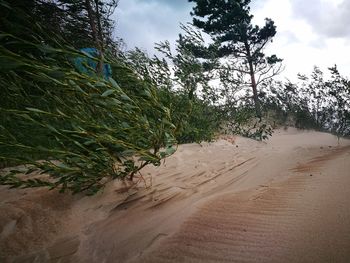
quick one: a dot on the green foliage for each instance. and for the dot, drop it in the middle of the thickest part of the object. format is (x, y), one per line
(338, 112)
(314, 103)
(287, 105)
(70, 130)
(197, 120)
(64, 129)
(229, 23)
(179, 76)
(244, 123)
(66, 18)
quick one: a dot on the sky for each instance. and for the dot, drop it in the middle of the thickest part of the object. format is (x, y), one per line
(309, 33)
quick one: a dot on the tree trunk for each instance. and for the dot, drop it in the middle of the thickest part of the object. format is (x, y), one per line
(95, 37)
(191, 84)
(253, 82)
(100, 37)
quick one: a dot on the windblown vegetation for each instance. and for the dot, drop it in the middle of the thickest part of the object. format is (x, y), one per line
(64, 128)
(82, 130)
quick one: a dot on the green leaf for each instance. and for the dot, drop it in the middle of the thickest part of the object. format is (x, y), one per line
(125, 97)
(8, 63)
(37, 110)
(51, 128)
(108, 92)
(114, 83)
(170, 151)
(100, 84)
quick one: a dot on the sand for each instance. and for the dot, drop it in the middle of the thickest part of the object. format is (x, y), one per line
(284, 200)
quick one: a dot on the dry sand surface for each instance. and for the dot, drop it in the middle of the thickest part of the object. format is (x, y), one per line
(284, 200)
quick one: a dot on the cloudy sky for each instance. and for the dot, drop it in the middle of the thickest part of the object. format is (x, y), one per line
(312, 32)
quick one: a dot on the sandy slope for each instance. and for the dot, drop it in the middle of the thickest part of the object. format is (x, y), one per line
(286, 200)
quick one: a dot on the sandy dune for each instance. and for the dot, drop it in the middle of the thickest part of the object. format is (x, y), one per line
(286, 200)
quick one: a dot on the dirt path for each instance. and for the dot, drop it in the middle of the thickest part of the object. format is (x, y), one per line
(304, 219)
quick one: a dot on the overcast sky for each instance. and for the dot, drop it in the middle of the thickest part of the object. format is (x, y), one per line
(309, 32)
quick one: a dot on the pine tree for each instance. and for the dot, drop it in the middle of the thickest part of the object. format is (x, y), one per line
(229, 23)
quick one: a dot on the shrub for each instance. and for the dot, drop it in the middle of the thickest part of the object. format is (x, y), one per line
(80, 131)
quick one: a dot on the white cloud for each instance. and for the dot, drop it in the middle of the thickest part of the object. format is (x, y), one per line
(142, 23)
(313, 32)
(298, 42)
(328, 18)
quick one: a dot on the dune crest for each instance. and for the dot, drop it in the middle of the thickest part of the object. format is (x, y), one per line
(231, 200)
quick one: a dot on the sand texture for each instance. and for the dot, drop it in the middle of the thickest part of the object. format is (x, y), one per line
(234, 200)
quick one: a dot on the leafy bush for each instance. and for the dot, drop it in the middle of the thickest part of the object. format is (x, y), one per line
(196, 120)
(195, 117)
(314, 103)
(244, 122)
(81, 130)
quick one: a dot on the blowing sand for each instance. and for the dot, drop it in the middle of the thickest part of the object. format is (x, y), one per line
(284, 200)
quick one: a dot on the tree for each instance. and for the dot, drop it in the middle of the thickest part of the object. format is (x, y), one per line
(179, 75)
(339, 110)
(191, 74)
(95, 19)
(290, 105)
(229, 23)
(80, 130)
(72, 20)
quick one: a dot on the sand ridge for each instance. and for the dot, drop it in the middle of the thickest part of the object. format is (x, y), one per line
(228, 201)
(303, 219)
